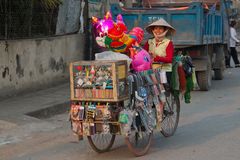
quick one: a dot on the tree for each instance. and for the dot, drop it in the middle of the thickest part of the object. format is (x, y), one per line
(49, 4)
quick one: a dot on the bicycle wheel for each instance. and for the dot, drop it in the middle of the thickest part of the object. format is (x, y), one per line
(170, 115)
(101, 142)
(139, 144)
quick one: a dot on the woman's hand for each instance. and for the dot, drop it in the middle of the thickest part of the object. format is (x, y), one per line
(152, 55)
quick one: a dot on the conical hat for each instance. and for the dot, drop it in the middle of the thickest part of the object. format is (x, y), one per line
(160, 22)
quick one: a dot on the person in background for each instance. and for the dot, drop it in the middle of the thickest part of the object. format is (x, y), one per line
(233, 41)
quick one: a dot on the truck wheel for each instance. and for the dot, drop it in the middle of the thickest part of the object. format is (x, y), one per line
(219, 62)
(218, 74)
(204, 78)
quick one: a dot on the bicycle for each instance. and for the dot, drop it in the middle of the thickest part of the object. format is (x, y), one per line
(136, 120)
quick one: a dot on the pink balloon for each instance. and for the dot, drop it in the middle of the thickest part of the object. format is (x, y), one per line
(141, 61)
(102, 26)
(138, 33)
(106, 25)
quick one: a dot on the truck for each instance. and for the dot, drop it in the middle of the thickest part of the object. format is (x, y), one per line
(202, 30)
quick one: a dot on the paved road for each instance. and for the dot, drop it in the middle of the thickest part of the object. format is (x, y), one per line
(209, 129)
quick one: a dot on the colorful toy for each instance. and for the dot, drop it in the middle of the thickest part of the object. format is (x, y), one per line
(141, 59)
(113, 35)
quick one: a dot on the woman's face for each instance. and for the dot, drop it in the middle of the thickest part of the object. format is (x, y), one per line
(158, 30)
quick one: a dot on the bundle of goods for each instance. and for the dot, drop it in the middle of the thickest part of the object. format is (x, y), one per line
(91, 118)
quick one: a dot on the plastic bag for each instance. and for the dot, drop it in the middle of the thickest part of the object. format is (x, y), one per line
(110, 55)
(126, 120)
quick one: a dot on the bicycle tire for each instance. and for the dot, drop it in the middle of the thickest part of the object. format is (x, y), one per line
(139, 151)
(170, 115)
(97, 142)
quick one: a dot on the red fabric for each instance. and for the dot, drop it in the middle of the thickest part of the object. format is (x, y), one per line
(169, 53)
(146, 46)
(182, 78)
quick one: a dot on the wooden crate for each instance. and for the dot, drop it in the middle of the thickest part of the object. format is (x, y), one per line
(99, 81)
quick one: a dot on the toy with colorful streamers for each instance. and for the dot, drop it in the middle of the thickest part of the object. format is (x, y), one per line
(113, 35)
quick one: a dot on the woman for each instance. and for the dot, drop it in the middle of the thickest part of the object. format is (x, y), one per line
(160, 47)
(162, 51)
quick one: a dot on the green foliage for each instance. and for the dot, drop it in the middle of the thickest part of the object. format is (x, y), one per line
(50, 4)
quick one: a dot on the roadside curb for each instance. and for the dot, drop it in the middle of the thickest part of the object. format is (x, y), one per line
(48, 112)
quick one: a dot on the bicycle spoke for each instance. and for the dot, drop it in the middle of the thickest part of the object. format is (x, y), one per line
(101, 142)
(171, 116)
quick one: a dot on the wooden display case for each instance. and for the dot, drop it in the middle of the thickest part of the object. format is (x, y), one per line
(99, 81)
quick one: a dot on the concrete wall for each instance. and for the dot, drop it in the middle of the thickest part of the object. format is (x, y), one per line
(33, 64)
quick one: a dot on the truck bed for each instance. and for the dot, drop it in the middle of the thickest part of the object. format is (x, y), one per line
(157, 3)
(194, 24)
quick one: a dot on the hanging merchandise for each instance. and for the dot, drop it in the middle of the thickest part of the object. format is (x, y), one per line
(190, 74)
(175, 77)
(76, 112)
(77, 127)
(189, 88)
(162, 97)
(123, 117)
(148, 80)
(155, 90)
(86, 128)
(194, 79)
(99, 112)
(102, 112)
(187, 65)
(92, 129)
(106, 128)
(182, 76)
(154, 79)
(106, 112)
(91, 109)
(126, 120)
(163, 77)
(159, 116)
(81, 113)
(99, 127)
(114, 129)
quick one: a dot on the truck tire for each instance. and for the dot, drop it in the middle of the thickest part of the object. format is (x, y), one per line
(220, 61)
(204, 78)
(218, 74)
(204, 82)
